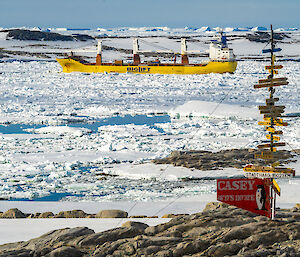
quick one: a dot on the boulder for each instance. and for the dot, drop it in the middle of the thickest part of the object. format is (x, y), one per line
(137, 225)
(112, 214)
(212, 206)
(46, 215)
(71, 214)
(13, 214)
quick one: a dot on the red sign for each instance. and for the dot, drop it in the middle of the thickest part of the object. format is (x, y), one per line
(248, 194)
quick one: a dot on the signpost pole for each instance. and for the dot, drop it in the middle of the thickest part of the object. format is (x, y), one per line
(260, 196)
(272, 202)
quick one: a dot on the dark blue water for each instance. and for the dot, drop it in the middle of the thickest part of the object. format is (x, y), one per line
(53, 197)
(117, 120)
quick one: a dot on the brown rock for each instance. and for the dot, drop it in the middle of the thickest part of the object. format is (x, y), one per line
(46, 215)
(65, 252)
(266, 238)
(204, 160)
(212, 206)
(109, 235)
(13, 214)
(173, 215)
(137, 225)
(224, 249)
(221, 231)
(71, 214)
(112, 214)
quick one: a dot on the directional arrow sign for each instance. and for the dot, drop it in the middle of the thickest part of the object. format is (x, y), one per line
(271, 108)
(272, 130)
(271, 115)
(274, 120)
(271, 84)
(275, 187)
(268, 123)
(267, 155)
(276, 67)
(269, 145)
(275, 138)
(267, 169)
(272, 80)
(264, 51)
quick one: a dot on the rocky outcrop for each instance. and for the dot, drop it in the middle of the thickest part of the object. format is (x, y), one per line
(220, 230)
(264, 37)
(13, 214)
(23, 34)
(205, 160)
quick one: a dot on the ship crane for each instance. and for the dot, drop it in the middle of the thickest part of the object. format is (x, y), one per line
(184, 51)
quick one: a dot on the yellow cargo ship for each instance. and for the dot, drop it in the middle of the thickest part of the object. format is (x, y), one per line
(221, 60)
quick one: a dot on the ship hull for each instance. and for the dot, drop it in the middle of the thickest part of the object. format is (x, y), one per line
(70, 65)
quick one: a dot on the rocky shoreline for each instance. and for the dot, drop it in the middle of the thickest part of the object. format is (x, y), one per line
(232, 158)
(15, 213)
(220, 230)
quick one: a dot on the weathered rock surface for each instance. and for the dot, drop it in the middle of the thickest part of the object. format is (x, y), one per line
(205, 160)
(71, 214)
(220, 230)
(133, 224)
(112, 214)
(46, 215)
(13, 214)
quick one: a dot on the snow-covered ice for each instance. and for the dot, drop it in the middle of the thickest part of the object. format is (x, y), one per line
(207, 112)
(87, 140)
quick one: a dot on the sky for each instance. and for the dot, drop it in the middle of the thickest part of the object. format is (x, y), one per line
(140, 13)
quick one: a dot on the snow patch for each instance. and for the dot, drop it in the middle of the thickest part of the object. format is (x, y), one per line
(213, 109)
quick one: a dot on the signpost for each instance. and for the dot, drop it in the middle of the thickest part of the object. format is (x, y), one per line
(257, 193)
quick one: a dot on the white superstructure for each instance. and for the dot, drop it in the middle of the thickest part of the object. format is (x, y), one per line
(219, 50)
